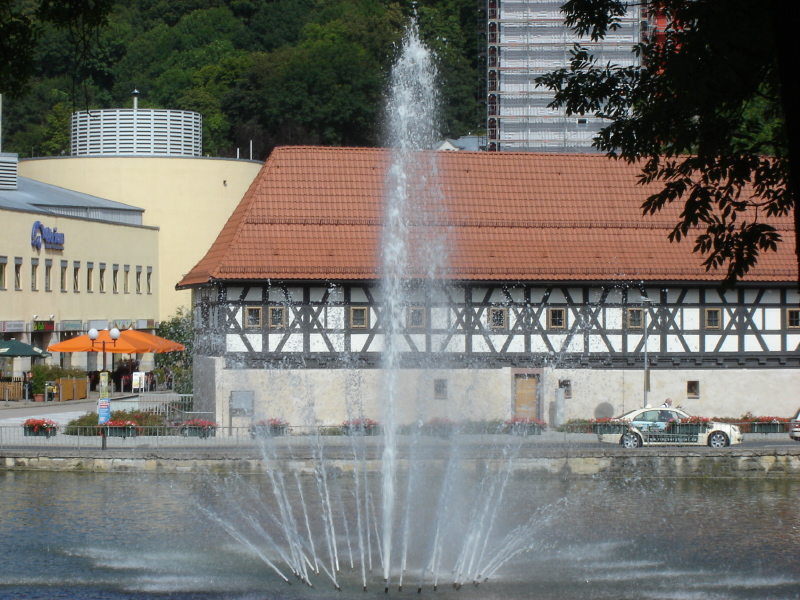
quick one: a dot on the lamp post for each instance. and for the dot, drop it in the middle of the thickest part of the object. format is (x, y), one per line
(646, 310)
(103, 402)
(113, 334)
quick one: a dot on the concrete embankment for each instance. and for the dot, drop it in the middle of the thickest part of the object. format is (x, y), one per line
(563, 462)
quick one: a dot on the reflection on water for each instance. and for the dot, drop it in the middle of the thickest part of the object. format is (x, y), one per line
(136, 536)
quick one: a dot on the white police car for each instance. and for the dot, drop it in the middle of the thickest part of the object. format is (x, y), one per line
(794, 427)
(667, 427)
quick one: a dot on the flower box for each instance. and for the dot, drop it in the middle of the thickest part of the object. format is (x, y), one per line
(42, 431)
(768, 428)
(687, 428)
(609, 428)
(268, 430)
(39, 427)
(201, 432)
(121, 432)
(443, 428)
(526, 429)
(198, 428)
(360, 427)
(524, 426)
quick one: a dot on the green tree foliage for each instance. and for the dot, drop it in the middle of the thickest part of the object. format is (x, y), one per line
(178, 328)
(21, 28)
(267, 71)
(704, 114)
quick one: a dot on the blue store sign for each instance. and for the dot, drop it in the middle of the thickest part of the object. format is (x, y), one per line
(44, 236)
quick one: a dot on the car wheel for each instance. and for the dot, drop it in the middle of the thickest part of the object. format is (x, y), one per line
(631, 440)
(718, 440)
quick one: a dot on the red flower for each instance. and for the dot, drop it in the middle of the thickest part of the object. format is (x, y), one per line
(37, 424)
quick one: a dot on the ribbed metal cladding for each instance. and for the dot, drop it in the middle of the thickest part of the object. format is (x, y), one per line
(137, 131)
(8, 171)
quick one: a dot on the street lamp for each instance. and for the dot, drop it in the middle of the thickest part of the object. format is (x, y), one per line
(113, 334)
(646, 305)
(103, 401)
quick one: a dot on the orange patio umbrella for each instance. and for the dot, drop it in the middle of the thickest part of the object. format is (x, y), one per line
(103, 343)
(156, 343)
(130, 341)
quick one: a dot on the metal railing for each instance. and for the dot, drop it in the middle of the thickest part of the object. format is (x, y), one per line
(229, 438)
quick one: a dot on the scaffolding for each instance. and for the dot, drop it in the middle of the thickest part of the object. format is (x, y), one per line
(526, 39)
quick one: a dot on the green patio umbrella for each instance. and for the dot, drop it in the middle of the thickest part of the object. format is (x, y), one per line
(12, 348)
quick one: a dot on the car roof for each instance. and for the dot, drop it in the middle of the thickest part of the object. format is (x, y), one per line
(628, 415)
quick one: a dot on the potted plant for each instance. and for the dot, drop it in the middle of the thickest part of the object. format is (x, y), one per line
(198, 428)
(525, 426)
(119, 428)
(39, 427)
(359, 427)
(39, 375)
(269, 427)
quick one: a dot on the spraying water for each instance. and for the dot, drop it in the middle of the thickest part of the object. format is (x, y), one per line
(411, 119)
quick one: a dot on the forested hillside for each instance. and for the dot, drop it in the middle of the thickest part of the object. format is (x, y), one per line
(271, 71)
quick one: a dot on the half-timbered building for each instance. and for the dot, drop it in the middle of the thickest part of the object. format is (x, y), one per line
(557, 298)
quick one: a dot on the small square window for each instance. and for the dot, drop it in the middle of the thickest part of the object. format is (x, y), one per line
(359, 317)
(415, 317)
(793, 318)
(692, 389)
(497, 318)
(252, 317)
(277, 317)
(713, 318)
(635, 318)
(557, 318)
(566, 385)
(440, 389)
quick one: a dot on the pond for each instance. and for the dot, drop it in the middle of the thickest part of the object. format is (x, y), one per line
(135, 536)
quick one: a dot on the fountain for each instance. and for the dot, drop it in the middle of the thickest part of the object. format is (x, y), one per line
(423, 515)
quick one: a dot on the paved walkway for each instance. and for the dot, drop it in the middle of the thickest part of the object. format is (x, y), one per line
(15, 413)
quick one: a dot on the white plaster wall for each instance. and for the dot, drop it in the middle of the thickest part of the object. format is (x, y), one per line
(723, 392)
(328, 397)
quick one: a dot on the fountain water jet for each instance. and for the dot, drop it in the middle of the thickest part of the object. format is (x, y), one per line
(411, 119)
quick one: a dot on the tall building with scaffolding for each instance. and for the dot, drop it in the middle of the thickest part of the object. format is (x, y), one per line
(528, 38)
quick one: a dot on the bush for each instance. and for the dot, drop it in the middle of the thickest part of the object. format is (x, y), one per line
(87, 424)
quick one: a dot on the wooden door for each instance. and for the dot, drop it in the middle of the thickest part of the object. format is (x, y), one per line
(525, 393)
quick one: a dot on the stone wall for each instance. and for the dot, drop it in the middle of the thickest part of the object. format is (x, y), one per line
(563, 463)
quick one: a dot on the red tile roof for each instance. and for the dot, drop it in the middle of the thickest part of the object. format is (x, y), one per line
(316, 213)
